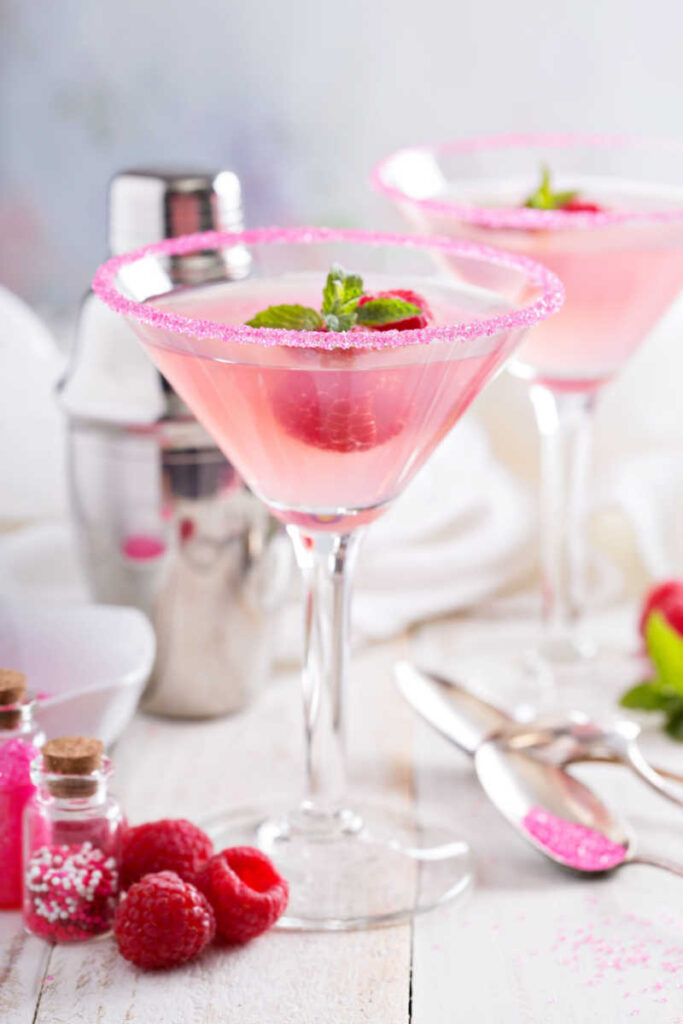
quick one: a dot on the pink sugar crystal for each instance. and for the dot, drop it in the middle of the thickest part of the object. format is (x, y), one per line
(71, 892)
(16, 789)
(575, 845)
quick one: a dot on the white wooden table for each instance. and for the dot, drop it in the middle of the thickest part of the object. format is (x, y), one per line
(531, 945)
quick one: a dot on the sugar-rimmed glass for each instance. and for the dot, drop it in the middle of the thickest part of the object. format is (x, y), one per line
(622, 267)
(328, 428)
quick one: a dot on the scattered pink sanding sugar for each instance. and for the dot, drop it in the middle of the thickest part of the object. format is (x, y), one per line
(575, 845)
(71, 892)
(142, 546)
(16, 789)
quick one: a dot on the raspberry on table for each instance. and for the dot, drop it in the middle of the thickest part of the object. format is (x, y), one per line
(166, 845)
(163, 921)
(246, 892)
(667, 599)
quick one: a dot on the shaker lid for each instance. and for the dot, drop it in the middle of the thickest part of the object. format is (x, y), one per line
(148, 205)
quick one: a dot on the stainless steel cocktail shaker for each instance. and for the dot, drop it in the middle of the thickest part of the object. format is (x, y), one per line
(163, 520)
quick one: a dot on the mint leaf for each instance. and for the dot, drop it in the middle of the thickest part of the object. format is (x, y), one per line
(377, 312)
(339, 321)
(665, 647)
(674, 721)
(646, 697)
(544, 198)
(341, 291)
(291, 318)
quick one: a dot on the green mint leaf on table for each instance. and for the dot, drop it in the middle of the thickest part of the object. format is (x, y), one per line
(377, 312)
(544, 198)
(291, 318)
(674, 722)
(665, 647)
(646, 697)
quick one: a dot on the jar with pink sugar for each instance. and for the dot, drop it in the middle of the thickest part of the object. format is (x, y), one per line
(20, 738)
(72, 843)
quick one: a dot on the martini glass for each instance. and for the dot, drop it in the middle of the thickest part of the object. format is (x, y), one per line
(622, 267)
(328, 428)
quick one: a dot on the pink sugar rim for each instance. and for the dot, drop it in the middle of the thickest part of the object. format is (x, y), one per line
(523, 217)
(104, 286)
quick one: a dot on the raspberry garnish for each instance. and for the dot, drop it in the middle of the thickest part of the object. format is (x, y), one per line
(163, 921)
(342, 411)
(246, 892)
(546, 198)
(667, 599)
(166, 845)
(581, 206)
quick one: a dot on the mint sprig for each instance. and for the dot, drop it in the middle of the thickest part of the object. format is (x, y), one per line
(544, 198)
(340, 310)
(663, 693)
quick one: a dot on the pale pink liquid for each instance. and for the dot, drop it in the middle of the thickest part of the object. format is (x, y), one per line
(327, 438)
(619, 280)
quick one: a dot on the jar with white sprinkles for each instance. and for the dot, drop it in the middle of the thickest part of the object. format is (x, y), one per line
(72, 843)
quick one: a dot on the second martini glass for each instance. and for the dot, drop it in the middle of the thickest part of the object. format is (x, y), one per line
(327, 428)
(609, 221)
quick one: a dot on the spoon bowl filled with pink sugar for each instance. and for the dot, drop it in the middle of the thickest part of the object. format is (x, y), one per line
(558, 815)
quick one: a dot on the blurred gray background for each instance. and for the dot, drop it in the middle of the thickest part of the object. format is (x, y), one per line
(300, 97)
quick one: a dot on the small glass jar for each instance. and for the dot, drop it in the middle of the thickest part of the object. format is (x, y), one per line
(20, 739)
(72, 843)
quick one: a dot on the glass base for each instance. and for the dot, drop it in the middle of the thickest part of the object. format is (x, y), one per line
(365, 868)
(533, 674)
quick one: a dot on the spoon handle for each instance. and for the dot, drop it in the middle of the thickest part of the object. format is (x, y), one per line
(658, 862)
(650, 776)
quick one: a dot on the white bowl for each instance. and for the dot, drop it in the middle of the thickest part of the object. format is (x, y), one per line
(91, 661)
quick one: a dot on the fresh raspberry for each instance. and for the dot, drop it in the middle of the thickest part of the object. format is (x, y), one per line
(577, 205)
(246, 892)
(339, 410)
(166, 845)
(666, 598)
(411, 323)
(163, 921)
(345, 411)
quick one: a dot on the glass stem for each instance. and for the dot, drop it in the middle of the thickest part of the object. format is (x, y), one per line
(326, 561)
(565, 423)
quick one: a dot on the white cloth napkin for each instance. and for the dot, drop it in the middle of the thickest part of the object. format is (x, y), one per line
(32, 433)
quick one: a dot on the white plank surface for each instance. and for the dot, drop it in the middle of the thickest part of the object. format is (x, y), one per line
(532, 945)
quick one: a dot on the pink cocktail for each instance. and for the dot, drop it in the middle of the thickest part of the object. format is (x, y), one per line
(328, 425)
(617, 246)
(328, 436)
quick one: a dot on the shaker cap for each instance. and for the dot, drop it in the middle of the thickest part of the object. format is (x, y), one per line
(149, 204)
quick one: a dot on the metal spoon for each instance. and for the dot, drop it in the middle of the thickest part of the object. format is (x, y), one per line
(516, 784)
(569, 742)
(467, 721)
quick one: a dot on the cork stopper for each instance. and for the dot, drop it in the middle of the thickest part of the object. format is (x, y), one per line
(77, 758)
(12, 691)
(12, 686)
